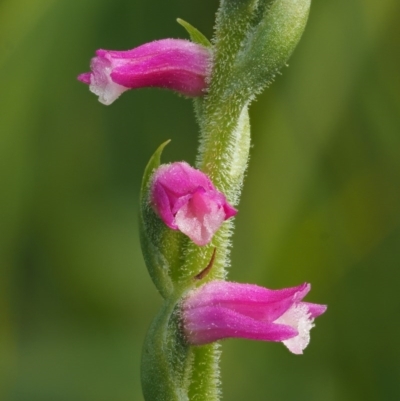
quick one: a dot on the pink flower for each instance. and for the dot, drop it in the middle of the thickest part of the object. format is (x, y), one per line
(173, 64)
(186, 200)
(221, 309)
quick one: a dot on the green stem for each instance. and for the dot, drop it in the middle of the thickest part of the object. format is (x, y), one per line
(253, 40)
(205, 378)
(223, 155)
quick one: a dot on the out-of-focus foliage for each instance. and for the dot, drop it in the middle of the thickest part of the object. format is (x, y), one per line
(321, 203)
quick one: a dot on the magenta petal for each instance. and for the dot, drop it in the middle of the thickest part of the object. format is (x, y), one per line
(212, 323)
(251, 300)
(230, 211)
(180, 178)
(162, 204)
(164, 46)
(157, 73)
(85, 78)
(315, 310)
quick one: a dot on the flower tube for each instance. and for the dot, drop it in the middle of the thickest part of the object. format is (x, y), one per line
(221, 309)
(174, 64)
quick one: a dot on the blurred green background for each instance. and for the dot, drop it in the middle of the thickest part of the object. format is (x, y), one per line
(321, 202)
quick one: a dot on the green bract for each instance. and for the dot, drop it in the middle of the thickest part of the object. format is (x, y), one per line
(195, 34)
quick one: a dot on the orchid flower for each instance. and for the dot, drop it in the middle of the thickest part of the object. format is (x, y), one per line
(174, 64)
(222, 309)
(186, 200)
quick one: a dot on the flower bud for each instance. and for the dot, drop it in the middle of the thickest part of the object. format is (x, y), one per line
(221, 309)
(186, 200)
(173, 64)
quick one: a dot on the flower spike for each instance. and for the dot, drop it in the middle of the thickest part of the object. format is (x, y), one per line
(221, 309)
(174, 64)
(186, 200)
